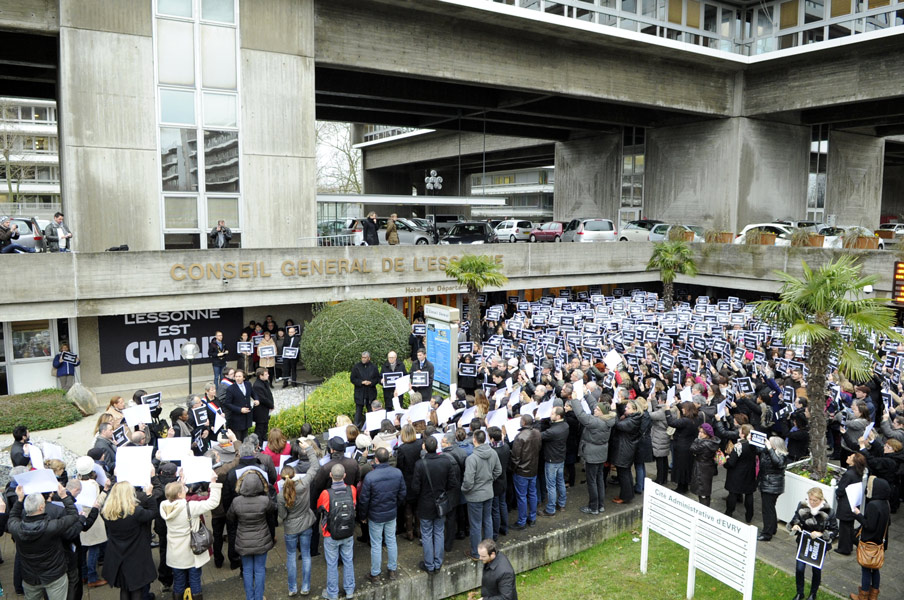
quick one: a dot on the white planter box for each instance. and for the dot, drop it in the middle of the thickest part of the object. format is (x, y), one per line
(796, 488)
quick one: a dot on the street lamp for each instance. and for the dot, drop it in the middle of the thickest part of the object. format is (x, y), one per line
(189, 351)
(434, 181)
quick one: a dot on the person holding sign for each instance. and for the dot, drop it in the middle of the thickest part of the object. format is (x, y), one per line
(740, 477)
(218, 353)
(129, 564)
(240, 401)
(293, 504)
(262, 390)
(266, 350)
(853, 476)
(364, 377)
(704, 450)
(773, 459)
(65, 363)
(422, 365)
(393, 368)
(874, 521)
(290, 365)
(815, 519)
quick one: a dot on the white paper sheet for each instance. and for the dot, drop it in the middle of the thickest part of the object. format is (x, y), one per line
(338, 432)
(528, 409)
(53, 451)
(866, 430)
(512, 427)
(101, 476)
(174, 448)
(445, 411)
(134, 415)
(854, 494)
(37, 481)
(544, 410)
(419, 412)
(373, 419)
(133, 464)
(497, 418)
(219, 421)
(670, 396)
(466, 416)
(87, 496)
(402, 385)
(579, 388)
(612, 360)
(686, 395)
(36, 456)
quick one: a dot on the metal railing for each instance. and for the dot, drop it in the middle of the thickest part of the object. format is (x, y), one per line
(29, 209)
(327, 240)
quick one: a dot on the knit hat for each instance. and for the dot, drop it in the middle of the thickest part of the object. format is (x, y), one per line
(336, 444)
(84, 465)
(363, 441)
(708, 429)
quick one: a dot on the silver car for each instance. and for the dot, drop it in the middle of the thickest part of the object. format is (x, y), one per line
(514, 230)
(660, 233)
(31, 232)
(589, 230)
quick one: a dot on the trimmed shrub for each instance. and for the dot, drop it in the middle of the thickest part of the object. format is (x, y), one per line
(334, 340)
(45, 409)
(336, 396)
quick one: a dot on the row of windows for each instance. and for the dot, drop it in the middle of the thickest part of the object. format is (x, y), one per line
(28, 144)
(539, 177)
(33, 174)
(28, 114)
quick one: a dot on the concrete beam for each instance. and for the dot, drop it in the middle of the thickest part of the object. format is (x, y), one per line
(30, 15)
(854, 178)
(115, 16)
(441, 146)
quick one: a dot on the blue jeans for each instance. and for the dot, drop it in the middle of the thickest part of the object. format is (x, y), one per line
(217, 374)
(379, 532)
(16, 249)
(183, 578)
(869, 578)
(331, 550)
(500, 515)
(254, 568)
(555, 486)
(480, 517)
(526, 494)
(640, 472)
(433, 540)
(292, 542)
(90, 570)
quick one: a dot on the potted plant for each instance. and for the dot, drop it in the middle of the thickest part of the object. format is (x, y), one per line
(885, 234)
(714, 236)
(680, 233)
(815, 240)
(800, 237)
(854, 237)
(799, 477)
(759, 237)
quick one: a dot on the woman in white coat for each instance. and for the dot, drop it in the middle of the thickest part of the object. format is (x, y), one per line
(186, 565)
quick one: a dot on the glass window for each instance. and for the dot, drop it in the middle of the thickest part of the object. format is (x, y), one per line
(218, 66)
(788, 17)
(31, 339)
(218, 10)
(40, 114)
(638, 163)
(175, 52)
(221, 161)
(179, 159)
(764, 22)
(226, 209)
(177, 106)
(177, 8)
(219, 110)
(841, 7)
(181, 212)
(709, 18)
(627, 165)
(693, 14)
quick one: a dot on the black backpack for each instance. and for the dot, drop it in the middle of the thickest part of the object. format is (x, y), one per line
(340, 520)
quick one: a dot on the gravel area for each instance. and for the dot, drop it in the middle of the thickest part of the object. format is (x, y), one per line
(69, 457)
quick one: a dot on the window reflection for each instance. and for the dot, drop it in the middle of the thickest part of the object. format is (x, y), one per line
(221, 161)
(179, 159)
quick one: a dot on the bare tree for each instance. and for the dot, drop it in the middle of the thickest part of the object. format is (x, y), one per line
(339, 164)
(12, 151)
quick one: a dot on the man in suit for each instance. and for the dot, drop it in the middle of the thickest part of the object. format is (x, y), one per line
(290, 365)
(365, 377)
(240, 402)
(263, 403)
(422, 364)
(392, 365)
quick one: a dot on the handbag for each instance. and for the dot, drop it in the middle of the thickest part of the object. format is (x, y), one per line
(441, 500)
(670, 431)
(871, 555)
(200, 539)
(720, 458)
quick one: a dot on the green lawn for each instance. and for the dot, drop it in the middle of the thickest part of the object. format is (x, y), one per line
(611, 570)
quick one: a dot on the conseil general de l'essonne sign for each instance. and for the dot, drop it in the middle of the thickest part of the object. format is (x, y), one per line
(310, 267)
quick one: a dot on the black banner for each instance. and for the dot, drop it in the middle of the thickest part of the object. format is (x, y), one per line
(154, 340)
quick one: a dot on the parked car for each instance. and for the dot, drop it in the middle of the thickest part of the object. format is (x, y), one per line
(31, 232)
(444, 222)
(470, 232)
(897, 230)
(638, 231)
(660, 232)
(547, 232)
(834, 235)
(410, 234)
(782, 232)
(590, 230)
(809, 226)
(514, 230)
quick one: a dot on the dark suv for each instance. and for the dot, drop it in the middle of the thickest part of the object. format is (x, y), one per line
(470, 232)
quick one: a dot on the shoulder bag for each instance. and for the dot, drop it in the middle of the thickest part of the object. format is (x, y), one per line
(201, 540)
(871, 555)
(440, 499)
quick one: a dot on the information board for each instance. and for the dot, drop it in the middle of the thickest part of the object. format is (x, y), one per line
(439, 352)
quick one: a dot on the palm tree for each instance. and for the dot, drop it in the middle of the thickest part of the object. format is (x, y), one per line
(804, 309)
(671, 259)
(475, 272)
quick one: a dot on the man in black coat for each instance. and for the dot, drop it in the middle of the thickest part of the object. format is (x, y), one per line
(392, 365)
(422, 364)
(218, 353)
(239, 402)
(364, 377)
(40, 542)
(263, 394)
(290, 365)
(369, 225)
(500, 485)
(498, 582)
(435, 474)
(17, 451)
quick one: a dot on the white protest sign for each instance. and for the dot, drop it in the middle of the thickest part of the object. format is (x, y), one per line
(133, 464)
(419, 412)
(854, 494)
(174, 448)
(612, 360)
(402, 385)
(670, 396)
(544, 410)
(528, 409)
(497, 418)
(866, 431)
(87, 496)
(578, 388)
(758, 439)
(373, 419)
(196, 469)
(53, 451)
(37, 481)
(135, 415)
(512, 427)
(686, 395)
(445, 411)
(466, 416)
(36, 457)
(338, 432)
(219, 422)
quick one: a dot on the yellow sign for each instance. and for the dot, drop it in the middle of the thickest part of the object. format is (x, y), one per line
(897, 294)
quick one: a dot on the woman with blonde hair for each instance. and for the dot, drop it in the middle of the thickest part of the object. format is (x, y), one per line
(817, 519)
(343, 421)
(277, 446)
(129, 564)
(482, 404)
(182, 517)
(104, 417)
(114, 409)
(294, 506)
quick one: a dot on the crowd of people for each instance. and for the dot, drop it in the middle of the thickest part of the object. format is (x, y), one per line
(612, 384)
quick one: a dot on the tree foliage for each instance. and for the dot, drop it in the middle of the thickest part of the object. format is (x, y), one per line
(475, 272)
(671, 258)
(335, 338)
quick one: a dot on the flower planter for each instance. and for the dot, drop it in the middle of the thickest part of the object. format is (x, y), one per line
(885, 234)
(862, 242)
(796, 487)
(687, 236)
(721, 237)
(814, 240)
(764, 239)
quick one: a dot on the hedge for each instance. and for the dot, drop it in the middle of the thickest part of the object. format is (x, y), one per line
(334, 340)
(44, 409)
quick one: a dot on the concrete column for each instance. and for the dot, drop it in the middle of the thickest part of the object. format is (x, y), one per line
(107, 115)
(587, 178)
(854, 178)
(279, 172)
(726, 174)
(893, 192)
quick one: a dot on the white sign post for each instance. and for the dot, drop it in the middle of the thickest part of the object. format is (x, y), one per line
(706, 533)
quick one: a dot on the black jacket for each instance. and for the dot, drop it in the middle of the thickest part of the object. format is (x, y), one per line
(128, 556)
(39, 541)
(772, 472)
(627, 436)
(236, 420)
(505, 458)
(555, 438)
(823, 521)
(443, 475)
(380, 494)
(407, 457)
(370, 232)
(322, 480)
(17, 455)
(874, 518)
(740, 469)
(842, 506)
(214, 350)
(365, 394)
(498, 581)
(645, 445)
(428, 366)
(264, 394)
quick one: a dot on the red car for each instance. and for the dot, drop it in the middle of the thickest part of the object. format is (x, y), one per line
(547, 232)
